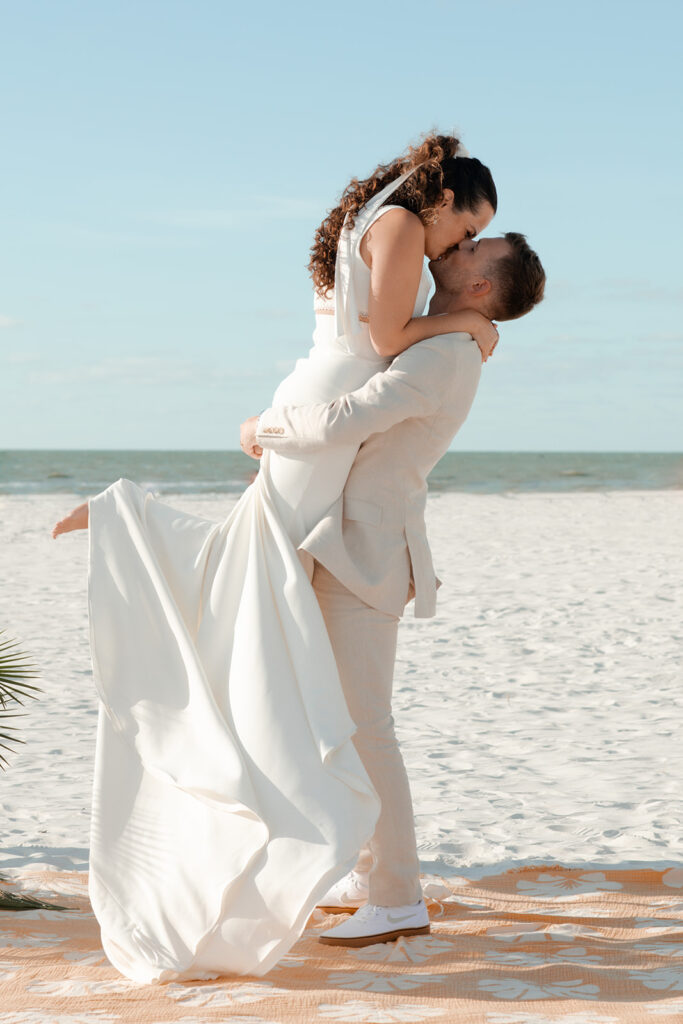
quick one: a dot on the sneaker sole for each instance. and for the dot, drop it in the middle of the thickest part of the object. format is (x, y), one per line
(371, 940)
(338, 909)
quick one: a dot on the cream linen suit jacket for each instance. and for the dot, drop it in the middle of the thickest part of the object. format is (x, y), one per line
(373, 539)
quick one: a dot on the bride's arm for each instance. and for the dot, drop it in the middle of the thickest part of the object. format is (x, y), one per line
(394, 249)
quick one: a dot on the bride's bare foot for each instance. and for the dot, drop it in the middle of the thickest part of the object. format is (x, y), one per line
(76, 520)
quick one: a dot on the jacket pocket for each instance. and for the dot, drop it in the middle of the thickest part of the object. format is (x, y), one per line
(362, 511)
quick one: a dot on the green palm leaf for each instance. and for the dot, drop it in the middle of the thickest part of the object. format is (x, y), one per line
(16, 669)
(15, 901)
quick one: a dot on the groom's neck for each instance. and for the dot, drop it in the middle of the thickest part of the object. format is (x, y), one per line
(446, 302)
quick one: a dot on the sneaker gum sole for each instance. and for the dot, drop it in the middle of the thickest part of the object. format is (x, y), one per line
(338, 909)
(371, 940)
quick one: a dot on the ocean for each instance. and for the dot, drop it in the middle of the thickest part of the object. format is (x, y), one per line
(212, 472)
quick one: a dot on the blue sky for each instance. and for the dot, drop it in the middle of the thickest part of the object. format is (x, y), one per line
(166, 163)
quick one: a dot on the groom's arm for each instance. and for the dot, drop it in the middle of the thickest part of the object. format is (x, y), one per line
(417, 384)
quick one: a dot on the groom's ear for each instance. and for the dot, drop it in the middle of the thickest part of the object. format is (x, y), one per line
(480, 287)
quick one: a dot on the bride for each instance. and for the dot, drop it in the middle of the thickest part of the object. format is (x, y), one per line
(228, 795)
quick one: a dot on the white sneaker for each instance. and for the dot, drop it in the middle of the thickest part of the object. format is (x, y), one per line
(378, 924)
(350, 893)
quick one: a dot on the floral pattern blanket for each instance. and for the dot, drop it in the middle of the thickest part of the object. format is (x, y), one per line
(538, 945)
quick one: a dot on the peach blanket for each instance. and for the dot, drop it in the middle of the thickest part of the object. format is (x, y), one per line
(539, 945)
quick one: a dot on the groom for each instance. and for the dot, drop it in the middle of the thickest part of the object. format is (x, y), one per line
(371, 552)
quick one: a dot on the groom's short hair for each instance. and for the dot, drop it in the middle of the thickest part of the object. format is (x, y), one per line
(518, 280)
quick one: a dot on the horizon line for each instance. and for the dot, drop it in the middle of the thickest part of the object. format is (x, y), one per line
(456, 451)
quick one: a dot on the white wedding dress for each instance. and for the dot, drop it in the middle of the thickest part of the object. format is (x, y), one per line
(228, 795)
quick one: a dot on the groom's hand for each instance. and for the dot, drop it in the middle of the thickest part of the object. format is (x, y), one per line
(248, 438)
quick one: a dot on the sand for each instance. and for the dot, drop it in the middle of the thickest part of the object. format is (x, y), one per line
(539, 712)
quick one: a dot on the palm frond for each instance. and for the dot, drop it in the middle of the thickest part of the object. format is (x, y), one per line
(15, 901)
(16, 668)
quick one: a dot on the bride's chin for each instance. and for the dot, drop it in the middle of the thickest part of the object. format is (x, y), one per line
(440, 256)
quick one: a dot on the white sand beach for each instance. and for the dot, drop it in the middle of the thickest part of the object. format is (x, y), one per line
(539, 713)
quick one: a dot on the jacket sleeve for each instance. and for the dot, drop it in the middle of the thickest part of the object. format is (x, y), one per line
(413, 386)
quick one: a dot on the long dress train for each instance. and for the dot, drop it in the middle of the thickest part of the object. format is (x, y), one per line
(228, 794)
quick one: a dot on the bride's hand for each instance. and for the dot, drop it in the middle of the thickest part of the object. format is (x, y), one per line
(248, 438)
(483, 330)
(485, 333)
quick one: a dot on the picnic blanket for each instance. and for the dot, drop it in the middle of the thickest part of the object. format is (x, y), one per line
(537, 945)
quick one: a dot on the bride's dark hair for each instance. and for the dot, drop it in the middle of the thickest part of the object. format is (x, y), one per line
(437, 169)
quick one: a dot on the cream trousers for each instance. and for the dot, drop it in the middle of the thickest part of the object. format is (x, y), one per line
(364, 643)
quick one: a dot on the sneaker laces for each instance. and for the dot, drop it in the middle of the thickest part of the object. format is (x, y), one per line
(368, 912)
(371, 910)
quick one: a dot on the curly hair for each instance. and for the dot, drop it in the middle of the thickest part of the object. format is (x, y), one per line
(435, 168)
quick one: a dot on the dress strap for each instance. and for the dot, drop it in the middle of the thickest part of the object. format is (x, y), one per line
(381, 196)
